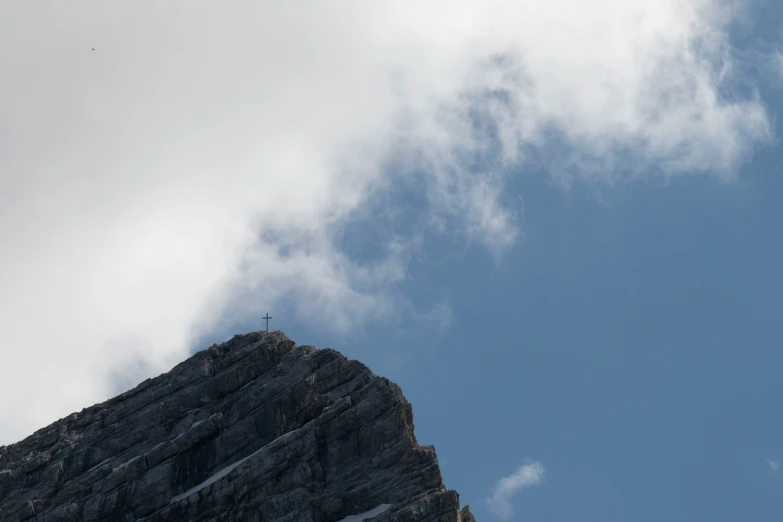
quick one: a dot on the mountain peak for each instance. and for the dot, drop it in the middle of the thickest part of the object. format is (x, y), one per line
(256, 428)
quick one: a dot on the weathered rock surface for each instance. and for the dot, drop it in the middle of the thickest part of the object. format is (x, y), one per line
(254, 429)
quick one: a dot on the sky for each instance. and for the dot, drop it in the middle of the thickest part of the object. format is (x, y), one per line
(554, 224)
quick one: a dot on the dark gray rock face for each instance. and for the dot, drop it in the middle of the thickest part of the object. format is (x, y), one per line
(255, 429)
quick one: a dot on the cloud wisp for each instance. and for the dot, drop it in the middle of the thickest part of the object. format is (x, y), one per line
(526, 476)
(163, 183)
(774, 465)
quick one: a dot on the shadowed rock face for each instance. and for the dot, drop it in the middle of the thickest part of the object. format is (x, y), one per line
(254, 429)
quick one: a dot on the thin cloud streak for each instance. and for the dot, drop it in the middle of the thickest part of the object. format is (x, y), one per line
(526, 476)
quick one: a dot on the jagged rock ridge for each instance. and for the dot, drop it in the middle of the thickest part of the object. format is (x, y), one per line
(254, 429)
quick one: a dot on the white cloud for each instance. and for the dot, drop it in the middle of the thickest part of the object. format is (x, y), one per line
(774, 465)
(526, 476)
(199, 162)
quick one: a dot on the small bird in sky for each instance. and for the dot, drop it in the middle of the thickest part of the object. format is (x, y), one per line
(93, 48)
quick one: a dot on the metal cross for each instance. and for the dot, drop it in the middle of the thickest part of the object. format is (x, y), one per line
(268, 317)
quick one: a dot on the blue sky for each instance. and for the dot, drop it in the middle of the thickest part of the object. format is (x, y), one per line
(630, 343)
(558, 234)
(631, 346)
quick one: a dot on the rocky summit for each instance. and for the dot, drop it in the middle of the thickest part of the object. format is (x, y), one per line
(254, 429)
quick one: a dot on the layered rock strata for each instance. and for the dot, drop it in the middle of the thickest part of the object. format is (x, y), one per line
(254, 429)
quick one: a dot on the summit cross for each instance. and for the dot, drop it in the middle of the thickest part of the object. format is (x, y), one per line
(268, 317)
